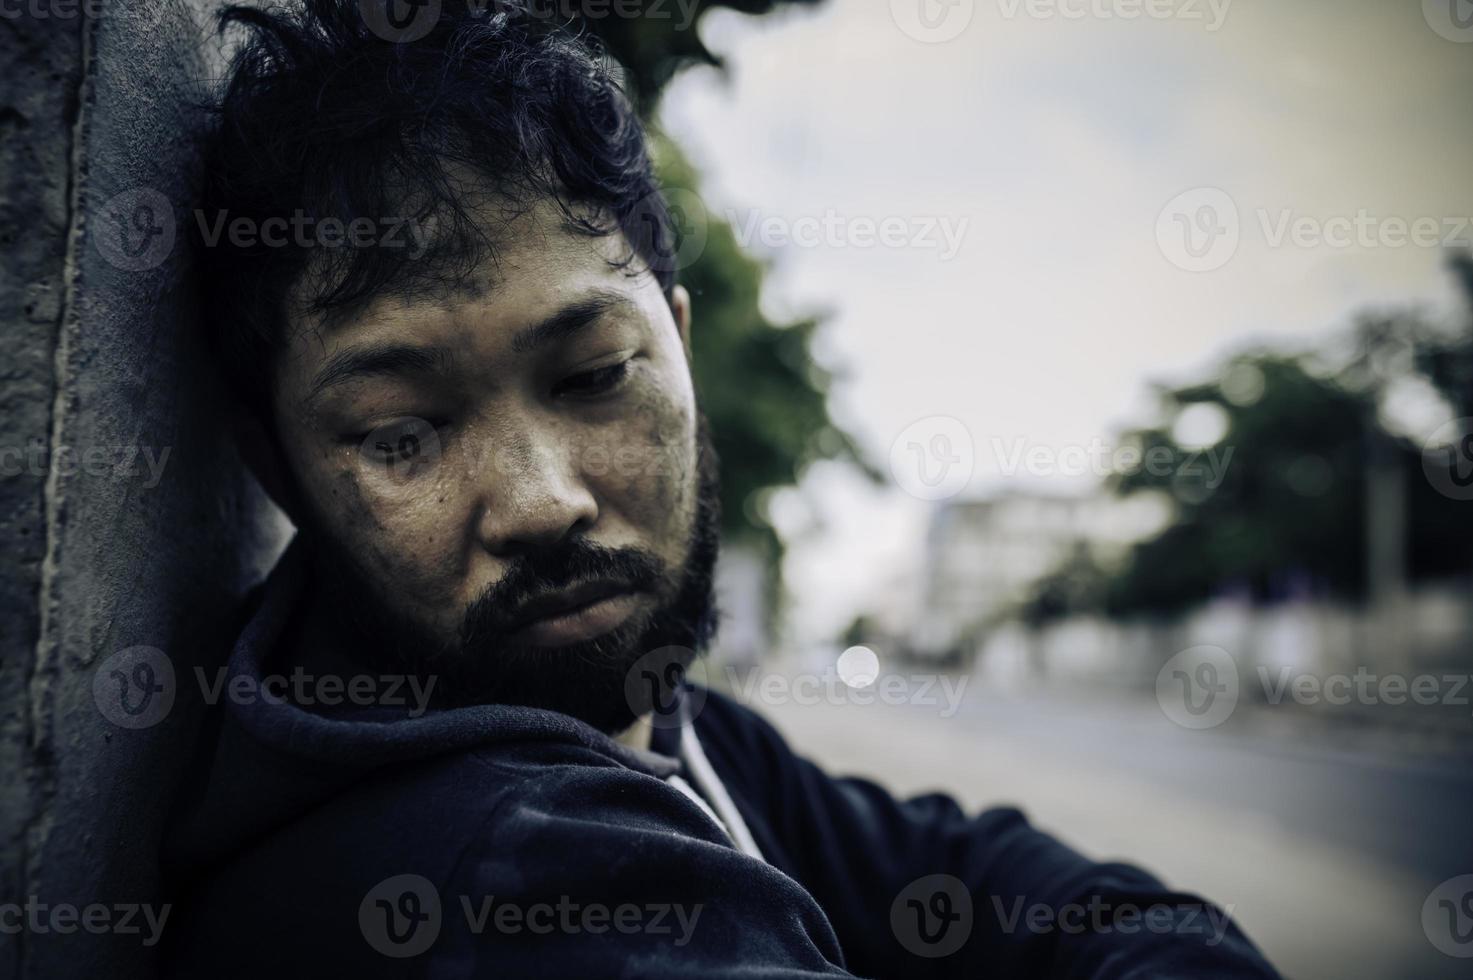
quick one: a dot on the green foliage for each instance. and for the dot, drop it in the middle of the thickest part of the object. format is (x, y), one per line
(657, 43)
(1289, 504)
(1291, 514)
(757, 381)
(1078, 584)
(1448, 361)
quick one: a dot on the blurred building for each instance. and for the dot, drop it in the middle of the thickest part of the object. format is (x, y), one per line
(743, 586)
(983, 556)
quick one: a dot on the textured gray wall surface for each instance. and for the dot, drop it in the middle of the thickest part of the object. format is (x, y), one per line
(126, 519)
(37, 111)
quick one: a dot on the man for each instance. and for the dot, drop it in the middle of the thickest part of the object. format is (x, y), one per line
(444, 291)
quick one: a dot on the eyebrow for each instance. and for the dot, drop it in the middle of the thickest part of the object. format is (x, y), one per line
(569, 320)
(389, 359)
(378, 360)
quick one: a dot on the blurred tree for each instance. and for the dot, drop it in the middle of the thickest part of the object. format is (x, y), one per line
(759, 385)
(1440, 529)
(1447, 361)
(663, 38)
(1286, 516)
(1298, 508)
(1078, 584)
(765, 396)
(861, 629)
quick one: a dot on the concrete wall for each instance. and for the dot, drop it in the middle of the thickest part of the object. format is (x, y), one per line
(102, 373)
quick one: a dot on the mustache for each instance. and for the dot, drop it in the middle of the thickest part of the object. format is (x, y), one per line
(497, 611)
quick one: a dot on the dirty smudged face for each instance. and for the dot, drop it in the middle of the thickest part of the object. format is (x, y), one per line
(510, 488)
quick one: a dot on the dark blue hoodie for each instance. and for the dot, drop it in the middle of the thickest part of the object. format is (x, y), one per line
(499, 841)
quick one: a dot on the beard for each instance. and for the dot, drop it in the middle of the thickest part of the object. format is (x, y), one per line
(593, 680)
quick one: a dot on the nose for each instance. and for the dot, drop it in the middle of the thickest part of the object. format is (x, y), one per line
(533, 497)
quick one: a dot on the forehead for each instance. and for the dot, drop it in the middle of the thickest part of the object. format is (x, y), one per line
(537, 263)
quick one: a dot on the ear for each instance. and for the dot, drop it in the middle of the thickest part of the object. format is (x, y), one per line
(263, 458)
(680, 307)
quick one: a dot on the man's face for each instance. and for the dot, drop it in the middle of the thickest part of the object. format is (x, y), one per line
(507, 482)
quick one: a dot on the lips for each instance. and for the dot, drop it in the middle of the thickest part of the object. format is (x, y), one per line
(579, 612)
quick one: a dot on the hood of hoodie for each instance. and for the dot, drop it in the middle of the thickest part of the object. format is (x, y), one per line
(264, 761)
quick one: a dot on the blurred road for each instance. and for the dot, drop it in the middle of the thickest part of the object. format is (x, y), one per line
(1324, 846)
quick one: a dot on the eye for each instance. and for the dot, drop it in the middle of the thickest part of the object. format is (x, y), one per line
(402, 447)
(595, 382)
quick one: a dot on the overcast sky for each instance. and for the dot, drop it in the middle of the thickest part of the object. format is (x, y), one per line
(1019, 165)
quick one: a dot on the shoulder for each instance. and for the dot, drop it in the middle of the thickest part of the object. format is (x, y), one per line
(728, 728)
(432, 824)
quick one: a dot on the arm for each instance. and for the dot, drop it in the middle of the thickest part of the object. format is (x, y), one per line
(630, 878)
(1038, 909)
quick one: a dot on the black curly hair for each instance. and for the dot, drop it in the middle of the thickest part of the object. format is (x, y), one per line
(326, 116)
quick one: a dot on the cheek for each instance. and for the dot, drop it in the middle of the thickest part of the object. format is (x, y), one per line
(400, 534)
(644, 468)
